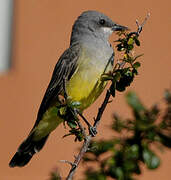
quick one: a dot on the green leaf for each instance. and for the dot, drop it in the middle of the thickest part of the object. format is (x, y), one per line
(117, 76)
(119, 173)
(120, 87)
(79, 136)
(111, 161)
(76, 132)
(134, 71)
(134, 102)
(151, 135)
(167, 96)
(94, 175)
(130, 41)
(129, 165)
(130, 47)
(63, 110)
(137, 169)
(123, 71)
(137, 42)
(136, 65)
(75, 104)
(120, 47)
(128, 73)
(106, 77)
(165, 140)
(155, 111)
(150, 159)
(125, 79)
(118, 124)
(88, 159)
(101, 147)
(55, 175)
(133, 152)
(72, 124)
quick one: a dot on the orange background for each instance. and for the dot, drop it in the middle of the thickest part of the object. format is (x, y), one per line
(41, 32)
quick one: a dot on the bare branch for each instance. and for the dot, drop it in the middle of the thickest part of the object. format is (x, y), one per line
(102, 108)
(78, 158)
(84, 119)
(140, 26)
(82, 128)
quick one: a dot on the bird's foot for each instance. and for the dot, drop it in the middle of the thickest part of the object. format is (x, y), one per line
(92, 131)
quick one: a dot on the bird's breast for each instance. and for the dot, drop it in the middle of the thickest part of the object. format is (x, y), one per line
(85, 85)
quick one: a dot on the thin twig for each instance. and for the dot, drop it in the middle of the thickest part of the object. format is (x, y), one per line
(102, 108)
(82, 129)
(84, 119)
(78, 158)
(140, 26)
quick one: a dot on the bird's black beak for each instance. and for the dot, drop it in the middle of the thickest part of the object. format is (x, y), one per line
(118, 27)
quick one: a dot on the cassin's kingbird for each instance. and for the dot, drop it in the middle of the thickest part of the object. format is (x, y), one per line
(81, 65)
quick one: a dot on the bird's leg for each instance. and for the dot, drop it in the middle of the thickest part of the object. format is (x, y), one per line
(91, 129)
(76, 112)
(80, 114)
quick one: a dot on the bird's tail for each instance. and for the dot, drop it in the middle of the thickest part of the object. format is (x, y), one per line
(26, 151)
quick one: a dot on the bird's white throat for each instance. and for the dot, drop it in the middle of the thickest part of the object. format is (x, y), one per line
(107, 30)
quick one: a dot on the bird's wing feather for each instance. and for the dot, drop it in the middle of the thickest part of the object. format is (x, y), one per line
(65, 67)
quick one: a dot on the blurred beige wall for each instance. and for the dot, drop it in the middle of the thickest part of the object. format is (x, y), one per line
(41, 33)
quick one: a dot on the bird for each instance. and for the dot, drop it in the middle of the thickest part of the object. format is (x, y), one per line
(77, 73)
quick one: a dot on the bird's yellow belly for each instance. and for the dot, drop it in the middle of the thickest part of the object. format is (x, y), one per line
(85, 86)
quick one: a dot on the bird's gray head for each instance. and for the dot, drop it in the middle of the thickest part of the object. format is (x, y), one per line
(93, 24)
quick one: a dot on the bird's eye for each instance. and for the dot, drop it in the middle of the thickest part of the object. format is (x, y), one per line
(102, 21)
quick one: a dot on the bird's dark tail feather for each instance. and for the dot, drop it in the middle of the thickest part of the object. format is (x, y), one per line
(26, 151)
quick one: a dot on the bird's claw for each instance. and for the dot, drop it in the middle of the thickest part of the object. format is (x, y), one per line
(92, 131)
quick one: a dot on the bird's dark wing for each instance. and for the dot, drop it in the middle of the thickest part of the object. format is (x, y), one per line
(65, 67)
